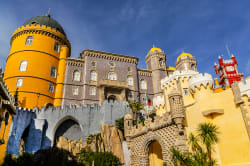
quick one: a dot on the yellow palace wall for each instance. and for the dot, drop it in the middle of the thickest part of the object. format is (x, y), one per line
(6, 135)
(204, 105)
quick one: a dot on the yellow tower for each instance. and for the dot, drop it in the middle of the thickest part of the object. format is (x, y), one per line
(36, 63)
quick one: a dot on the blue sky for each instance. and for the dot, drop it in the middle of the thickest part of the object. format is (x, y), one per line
(131, 27)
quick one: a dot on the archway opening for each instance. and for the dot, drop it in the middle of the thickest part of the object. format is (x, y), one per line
(155, 154)
(69, 130)
(112, 98)
(23, 141)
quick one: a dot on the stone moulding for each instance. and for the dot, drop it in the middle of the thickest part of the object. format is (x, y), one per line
(110, 56)
(213, 111)
(41, 30)
(143, 72)
(200, 79)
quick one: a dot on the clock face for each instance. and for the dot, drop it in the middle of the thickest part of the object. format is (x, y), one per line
(230, 68)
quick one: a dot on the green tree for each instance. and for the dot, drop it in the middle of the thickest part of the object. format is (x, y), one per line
(201, 147)
(87, 158)
(135, 106)
(119, 123)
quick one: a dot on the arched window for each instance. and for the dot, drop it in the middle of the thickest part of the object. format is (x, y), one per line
(112, 76)
(92, 91)
(161, 62)
(29, 40)
(130, 81)
(143, 84)
(76, 76)
(93, 76)
(23, 66)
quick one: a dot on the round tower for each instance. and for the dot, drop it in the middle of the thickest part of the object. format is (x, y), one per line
(128, 124)
(35, 65)
(186, 61)
(176, 107)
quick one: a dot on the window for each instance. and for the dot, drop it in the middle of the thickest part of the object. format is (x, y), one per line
(19, 82)
(51, 87)
(23, 66)
(161, 62)
(93, 76)
(186, 92)
(143, 84)
(130, 95)
(56, 47)
(92, 91)
(129, 69)
(76, 76)
(29, 40)
(93, 64)
(75, 91)
(130, 81)
(112, 76)
(112, 64)
(53, 72)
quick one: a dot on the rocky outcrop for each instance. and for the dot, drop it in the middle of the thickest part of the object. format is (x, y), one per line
(72, 146)
(109, 140)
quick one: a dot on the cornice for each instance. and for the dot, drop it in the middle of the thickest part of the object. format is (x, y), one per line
(37, 29)
(74, 62)
(110, 56)
(144, 72)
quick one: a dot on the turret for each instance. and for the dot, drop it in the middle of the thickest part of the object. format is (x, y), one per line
(176, 107)
(128, 124)
(227, 71)
(186, 61)
(35, 62)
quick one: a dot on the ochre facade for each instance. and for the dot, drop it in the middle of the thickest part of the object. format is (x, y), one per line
(228, 109)
(7, 111)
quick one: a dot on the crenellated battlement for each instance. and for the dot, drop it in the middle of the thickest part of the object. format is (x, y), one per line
(149, 125)
(40, 29)
(177, 75)
(197, 80)
(244, 86)
(159, 100)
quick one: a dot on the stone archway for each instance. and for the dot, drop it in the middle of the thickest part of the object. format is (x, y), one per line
(68, 136)
(155, 157)
(23, 140)
(112, 98)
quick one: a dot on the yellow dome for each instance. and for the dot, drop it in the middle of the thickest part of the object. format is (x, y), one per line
(155, 49)
(184, 54)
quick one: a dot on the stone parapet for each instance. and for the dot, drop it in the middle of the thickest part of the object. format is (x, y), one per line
(244, 86)
(197, 80)
(178, 75)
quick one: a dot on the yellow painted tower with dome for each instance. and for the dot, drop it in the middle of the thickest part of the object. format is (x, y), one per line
(36, 63)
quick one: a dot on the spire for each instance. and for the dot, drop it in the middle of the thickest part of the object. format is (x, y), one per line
(153, 46)
(48, 14)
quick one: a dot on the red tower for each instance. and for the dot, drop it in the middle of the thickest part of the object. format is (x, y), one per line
(227, 71)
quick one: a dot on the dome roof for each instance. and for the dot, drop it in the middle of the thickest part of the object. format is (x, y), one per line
(184, 54)
(47, 21)
(152, 50)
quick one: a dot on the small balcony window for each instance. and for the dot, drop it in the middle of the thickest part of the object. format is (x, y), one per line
(29, 40)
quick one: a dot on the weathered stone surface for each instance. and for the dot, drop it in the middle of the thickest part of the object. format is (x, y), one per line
(110, 140)
(72, 146)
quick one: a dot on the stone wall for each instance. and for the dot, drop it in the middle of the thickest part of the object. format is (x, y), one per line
(44, 123)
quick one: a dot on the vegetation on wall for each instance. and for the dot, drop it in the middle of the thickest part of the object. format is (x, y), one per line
(89, 158)
(119, 124)
(201, 146)
(60, 157)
